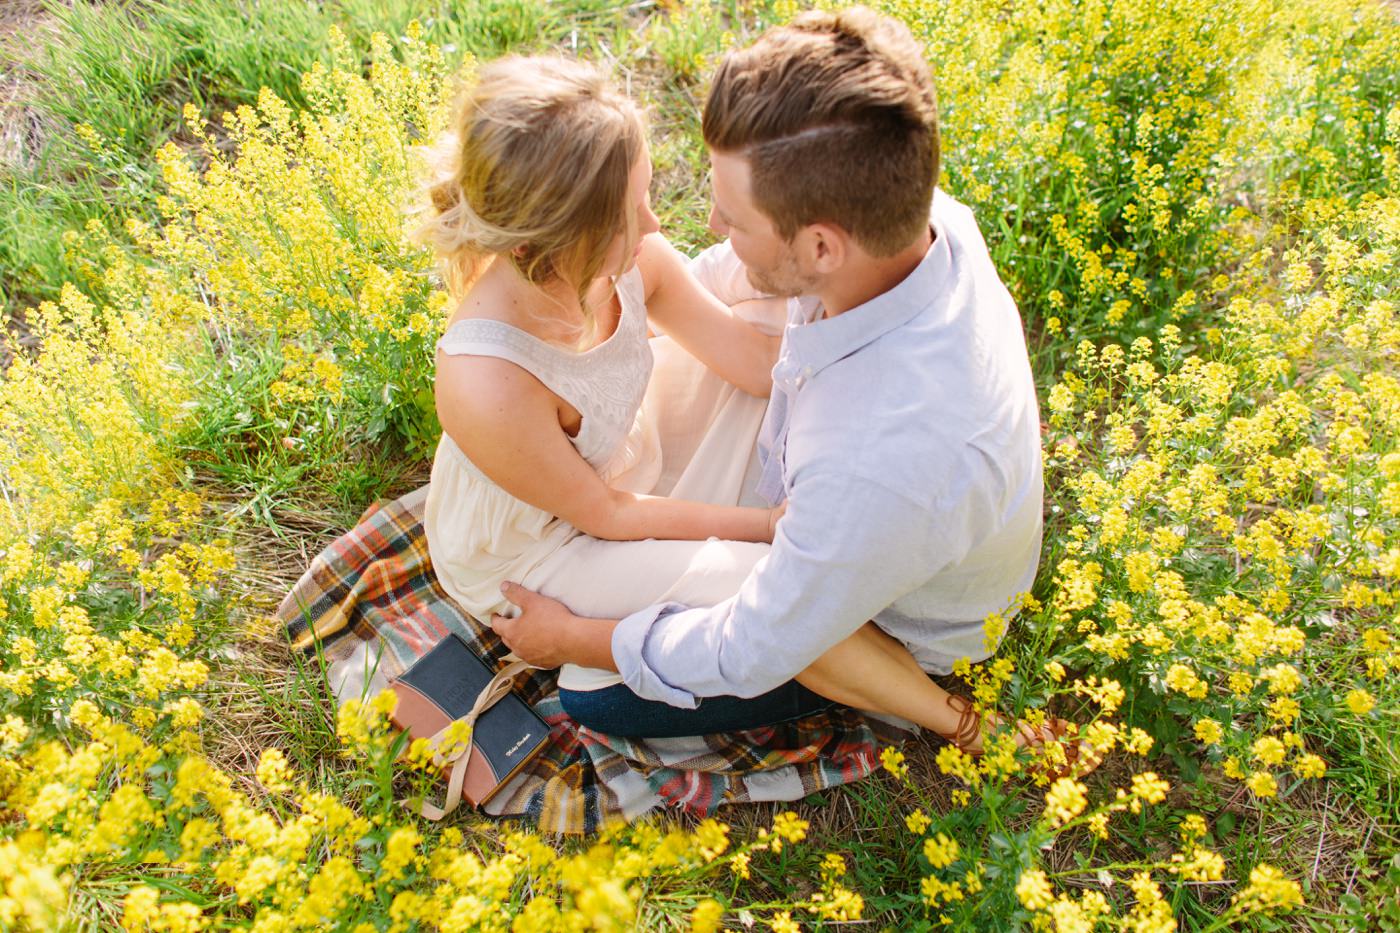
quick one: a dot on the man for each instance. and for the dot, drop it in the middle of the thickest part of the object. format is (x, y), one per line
(903, 430)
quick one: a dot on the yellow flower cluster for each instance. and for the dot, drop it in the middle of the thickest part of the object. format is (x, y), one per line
(310, 859)
(108, 572)
(291, 245)
(1211, 552)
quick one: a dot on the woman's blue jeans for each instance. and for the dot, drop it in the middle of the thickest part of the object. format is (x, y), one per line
(616, 710)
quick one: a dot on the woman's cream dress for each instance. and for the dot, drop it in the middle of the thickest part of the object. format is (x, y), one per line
(692, 438)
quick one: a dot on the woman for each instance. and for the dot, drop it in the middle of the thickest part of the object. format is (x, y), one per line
(549, 455)
(542, 222)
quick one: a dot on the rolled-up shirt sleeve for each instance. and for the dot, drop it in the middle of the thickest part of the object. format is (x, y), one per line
(846, 548)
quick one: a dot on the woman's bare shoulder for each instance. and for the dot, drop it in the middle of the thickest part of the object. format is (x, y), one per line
(479, 397)
(486, 383)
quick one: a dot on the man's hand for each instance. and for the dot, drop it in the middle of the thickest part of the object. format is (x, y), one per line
(547, 634)
(773, 515)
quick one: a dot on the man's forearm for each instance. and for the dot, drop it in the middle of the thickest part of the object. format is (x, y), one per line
(589, 643)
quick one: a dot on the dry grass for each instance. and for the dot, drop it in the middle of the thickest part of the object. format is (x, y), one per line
(258, 664)
(23, 23)
(260, 661)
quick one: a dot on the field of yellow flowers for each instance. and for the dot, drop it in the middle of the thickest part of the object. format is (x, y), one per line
(217, 332)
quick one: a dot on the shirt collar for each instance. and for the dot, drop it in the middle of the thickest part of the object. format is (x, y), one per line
(820, 341)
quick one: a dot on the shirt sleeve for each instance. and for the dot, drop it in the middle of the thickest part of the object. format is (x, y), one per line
(845, 549)
(722, 274)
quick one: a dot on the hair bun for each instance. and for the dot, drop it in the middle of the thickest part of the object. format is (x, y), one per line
(445, 195)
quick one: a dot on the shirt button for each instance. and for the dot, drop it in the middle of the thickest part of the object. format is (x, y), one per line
(806, 372)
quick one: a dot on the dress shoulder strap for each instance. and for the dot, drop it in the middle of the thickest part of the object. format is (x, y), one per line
(486, 337)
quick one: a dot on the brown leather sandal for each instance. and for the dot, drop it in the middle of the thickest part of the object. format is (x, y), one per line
(1080, 757)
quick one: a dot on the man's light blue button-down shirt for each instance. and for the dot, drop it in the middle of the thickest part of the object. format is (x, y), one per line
(905, 436)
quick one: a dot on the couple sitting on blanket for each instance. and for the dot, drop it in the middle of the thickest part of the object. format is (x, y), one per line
(826, 474)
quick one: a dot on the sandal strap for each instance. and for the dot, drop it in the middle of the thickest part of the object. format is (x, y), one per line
(969, 725)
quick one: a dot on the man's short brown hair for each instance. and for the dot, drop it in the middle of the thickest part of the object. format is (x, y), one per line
(837, 117)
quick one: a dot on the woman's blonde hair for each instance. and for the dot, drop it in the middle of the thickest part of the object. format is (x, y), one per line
(534, 169)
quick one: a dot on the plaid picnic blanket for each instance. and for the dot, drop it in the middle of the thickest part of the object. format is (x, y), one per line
(373, 593)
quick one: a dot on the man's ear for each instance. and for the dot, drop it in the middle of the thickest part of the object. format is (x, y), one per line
(826, 247)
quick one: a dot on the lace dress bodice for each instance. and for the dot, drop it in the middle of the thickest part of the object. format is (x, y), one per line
(605, 384)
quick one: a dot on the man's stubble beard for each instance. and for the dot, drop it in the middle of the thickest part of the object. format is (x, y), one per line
(783, 281)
